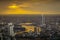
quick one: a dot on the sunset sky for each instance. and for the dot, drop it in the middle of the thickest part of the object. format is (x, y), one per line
(29, 7)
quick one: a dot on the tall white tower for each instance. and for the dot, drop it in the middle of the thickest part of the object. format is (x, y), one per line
(10, 29)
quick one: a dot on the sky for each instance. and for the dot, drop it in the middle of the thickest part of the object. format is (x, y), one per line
(8, 7)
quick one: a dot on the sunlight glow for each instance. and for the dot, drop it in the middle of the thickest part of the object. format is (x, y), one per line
(14, 6)
(16, 9)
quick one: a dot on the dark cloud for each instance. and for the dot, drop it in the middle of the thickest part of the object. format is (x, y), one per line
(29, 0)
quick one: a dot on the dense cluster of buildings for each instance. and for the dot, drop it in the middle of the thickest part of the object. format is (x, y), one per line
(30, 26)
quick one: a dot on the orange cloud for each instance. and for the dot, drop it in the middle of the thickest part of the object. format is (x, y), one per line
(17, 9)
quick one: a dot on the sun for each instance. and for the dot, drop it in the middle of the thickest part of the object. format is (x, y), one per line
(14, 6)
